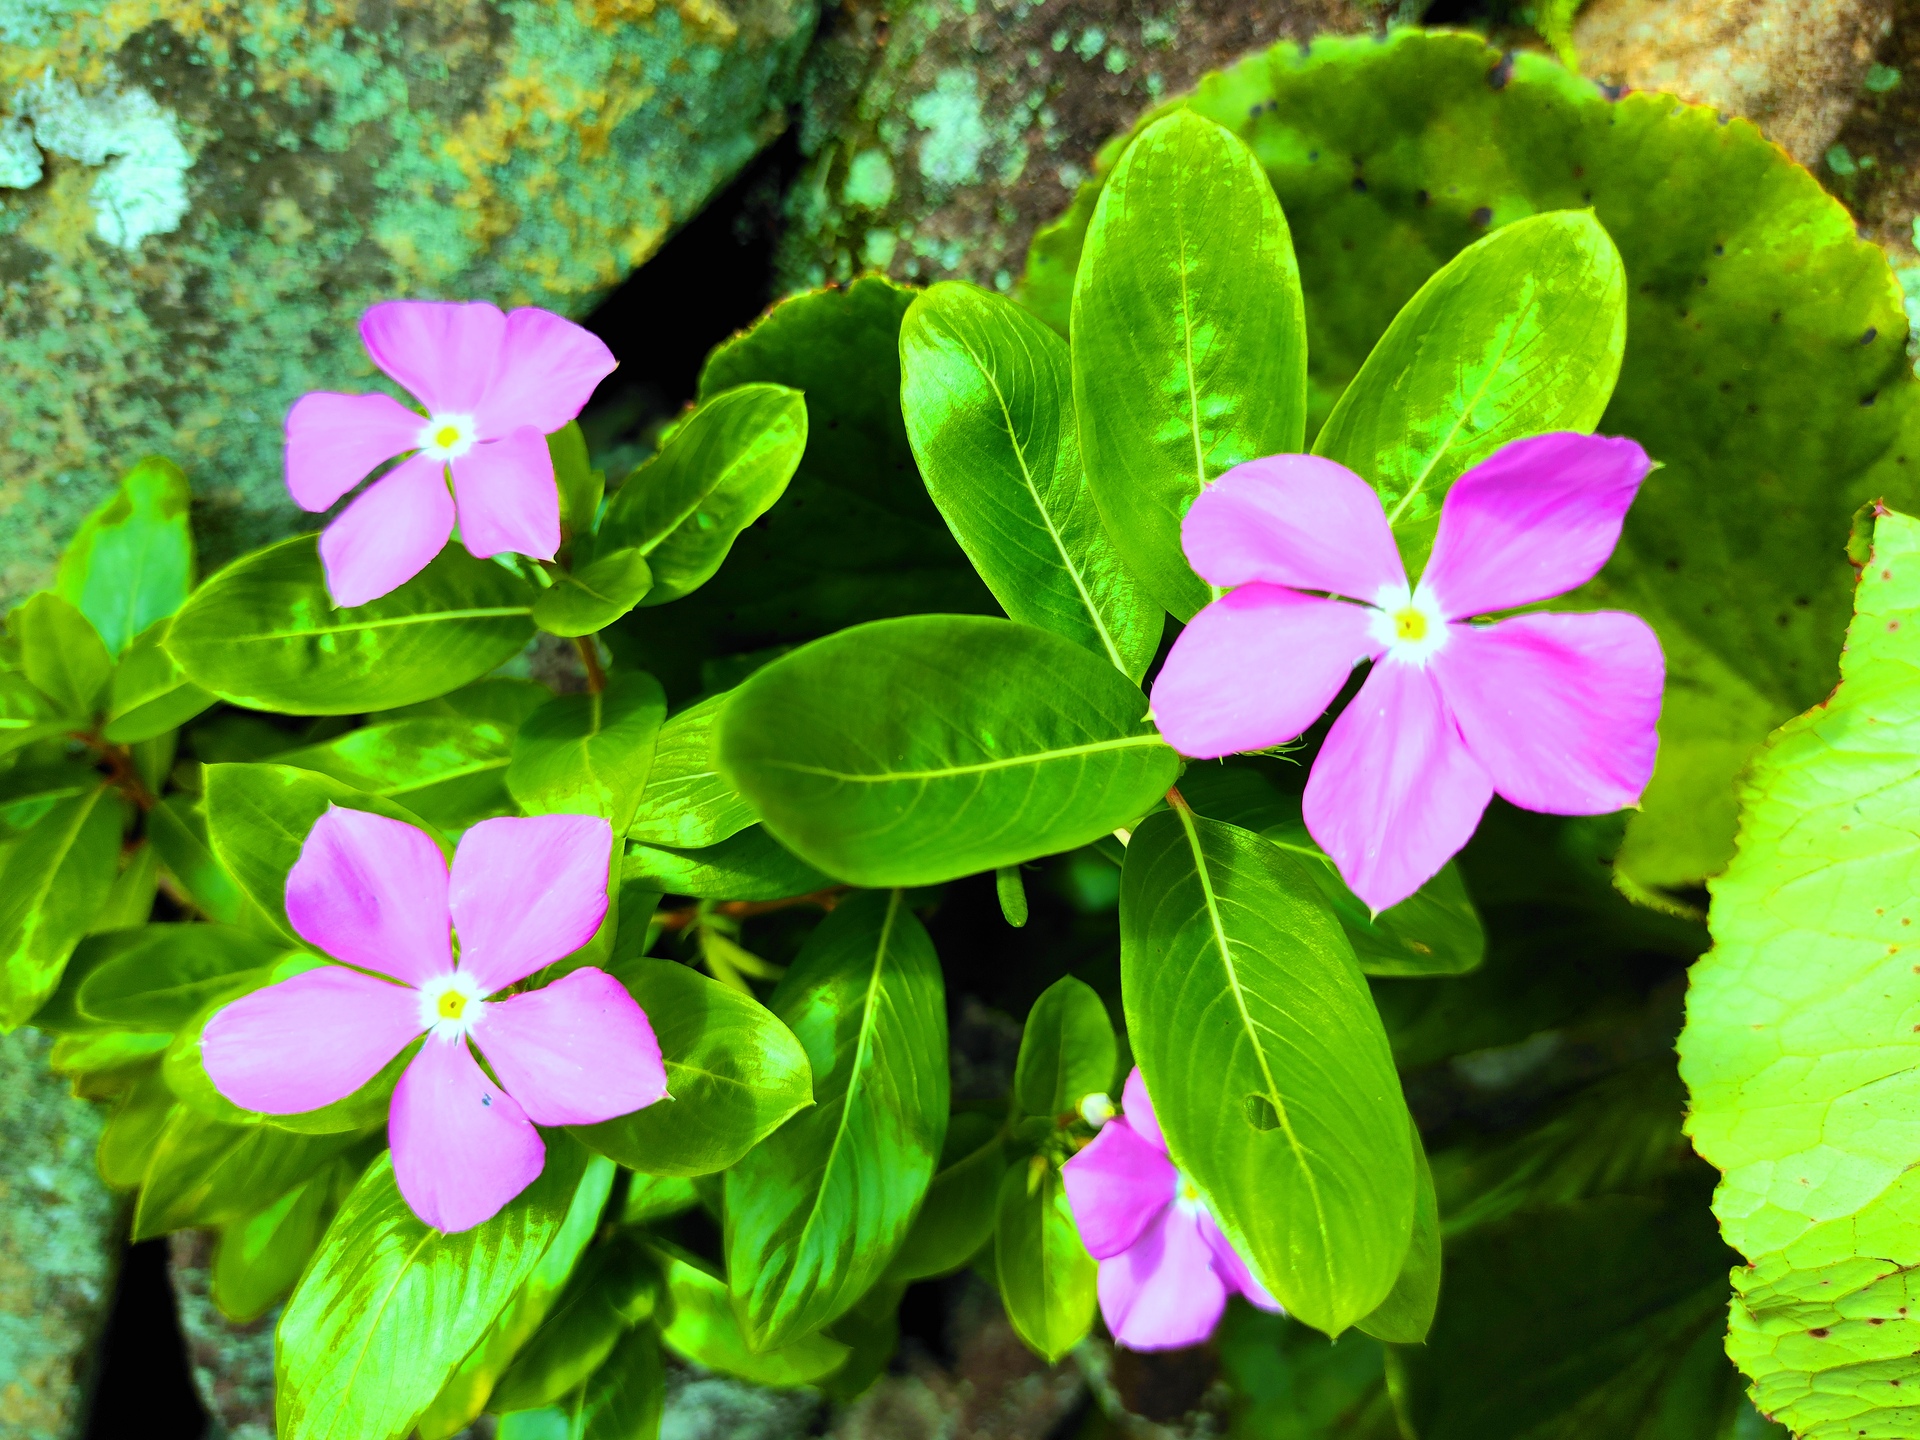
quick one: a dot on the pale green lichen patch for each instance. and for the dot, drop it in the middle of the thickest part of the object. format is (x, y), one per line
(869, 180)
(956, 130)
(142, 189)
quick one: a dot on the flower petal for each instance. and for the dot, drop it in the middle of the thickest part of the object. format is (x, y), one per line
(577, 1052)
(444, 351)
(527, 891)
(548, 368)
(508, 498)
(308, 1041)
(1163, 1294)
(389, 534)
(334, 442)
(461, 1147)
(1558, 709)
(1138, 1110)
(1117, 1186)
(1232, 1270)
(1257, 667)
(1532, 520)
(1293, 520)
(1394, 793)
(372, 892)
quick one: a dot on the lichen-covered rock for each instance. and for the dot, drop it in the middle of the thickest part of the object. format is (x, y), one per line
(196, 201)
(59, 1245)
(940, 133)
(1793, 67)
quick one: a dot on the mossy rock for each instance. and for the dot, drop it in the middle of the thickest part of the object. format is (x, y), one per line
(197, 201)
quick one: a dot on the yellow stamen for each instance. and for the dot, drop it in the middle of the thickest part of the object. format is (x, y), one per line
(1410, 624)
(446, 436)
(452, 1004)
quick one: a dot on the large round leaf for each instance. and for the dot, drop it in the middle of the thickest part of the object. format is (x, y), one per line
(912, 751)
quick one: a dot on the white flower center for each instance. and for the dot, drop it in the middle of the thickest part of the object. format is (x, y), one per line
(1410, 627)
(451, 1005)
(1187, 1195)
(446, 437)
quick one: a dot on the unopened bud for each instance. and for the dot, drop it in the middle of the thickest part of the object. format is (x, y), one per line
(1096, 1109)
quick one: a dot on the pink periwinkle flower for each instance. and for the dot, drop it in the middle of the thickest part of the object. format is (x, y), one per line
(375, 895)
(1165, 1267)
(1555, 712)
(494, 386)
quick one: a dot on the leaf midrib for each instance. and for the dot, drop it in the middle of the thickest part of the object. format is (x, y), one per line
(425, 618)
(979, 767)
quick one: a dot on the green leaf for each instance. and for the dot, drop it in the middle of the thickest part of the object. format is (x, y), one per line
(26, 715)
(1406, 1315)
(1045, 1274)
(148, 694)
(686, 804)
(655, 1197)
(581, 486)
(55, 880)
(131, 561)
(264, 633)
(1189, 340)
(1067, 1050)
(987, 391)
(1011, 891)
(613, 1290)
(167, 972)
(260, 1256)
(913, 751)
(104, 1063)
(1799, 1051)
(1518, 334)
(499, 698)
(749, 865)
(816, 1211)
(1267, 1064)
(717, 473)
(463, 1397)
(589, 754)
(61, 654)
(856, 537)
(129, 902)
(258, 817)
(134, 1129)
(177, 830)
(624, 1400)
(384, 1285)
(706, 1330)
(956, 1219)
(450, 772)
(1434, 931)
(596, 596)
(735, 1073)
(206, 1173)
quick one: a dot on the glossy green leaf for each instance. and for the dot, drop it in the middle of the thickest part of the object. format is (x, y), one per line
(1518, 334)
(589, 754)
(1045, 1274)
(260, 1256)
(103, 1063)
(956, 1218)
(912, 751)
(816, 1211)
(25, 714)
(581, 486)
(624, 1400)
(450, 772)
(139, 1118)
(177, 830)
(1189, 339)
(34, 783)
(580, 603)
(130, 900)
(1067, 1050)
(748, 865)
(655, 1197)
(856, 537)
(160, 979)
(686, 804)
(735, 1073)
(258, 818)
(60, 1013)
(1011, 891)
(1800, 1052)
(1269, 1070)
(61, 654)
(1767, 371)
(148, 693)
(131, 561)
(705, 1329)
(499, 699)
(1434, 931)
(264, 633)
(1406, 1315)
(206, 1173)
(614, 1289)
(385, 1286)
(54, 882)
(987, 391)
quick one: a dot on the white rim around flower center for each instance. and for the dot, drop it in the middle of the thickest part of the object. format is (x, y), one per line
(447, 437)
(1409, 627)
(1186, 1194)
(451, 1005)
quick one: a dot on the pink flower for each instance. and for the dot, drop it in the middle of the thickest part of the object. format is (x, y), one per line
(375, 894)
(1554, 712)
(494, 386)
(1165, 1268)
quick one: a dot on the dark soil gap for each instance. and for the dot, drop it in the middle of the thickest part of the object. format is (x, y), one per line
(143, 1386)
